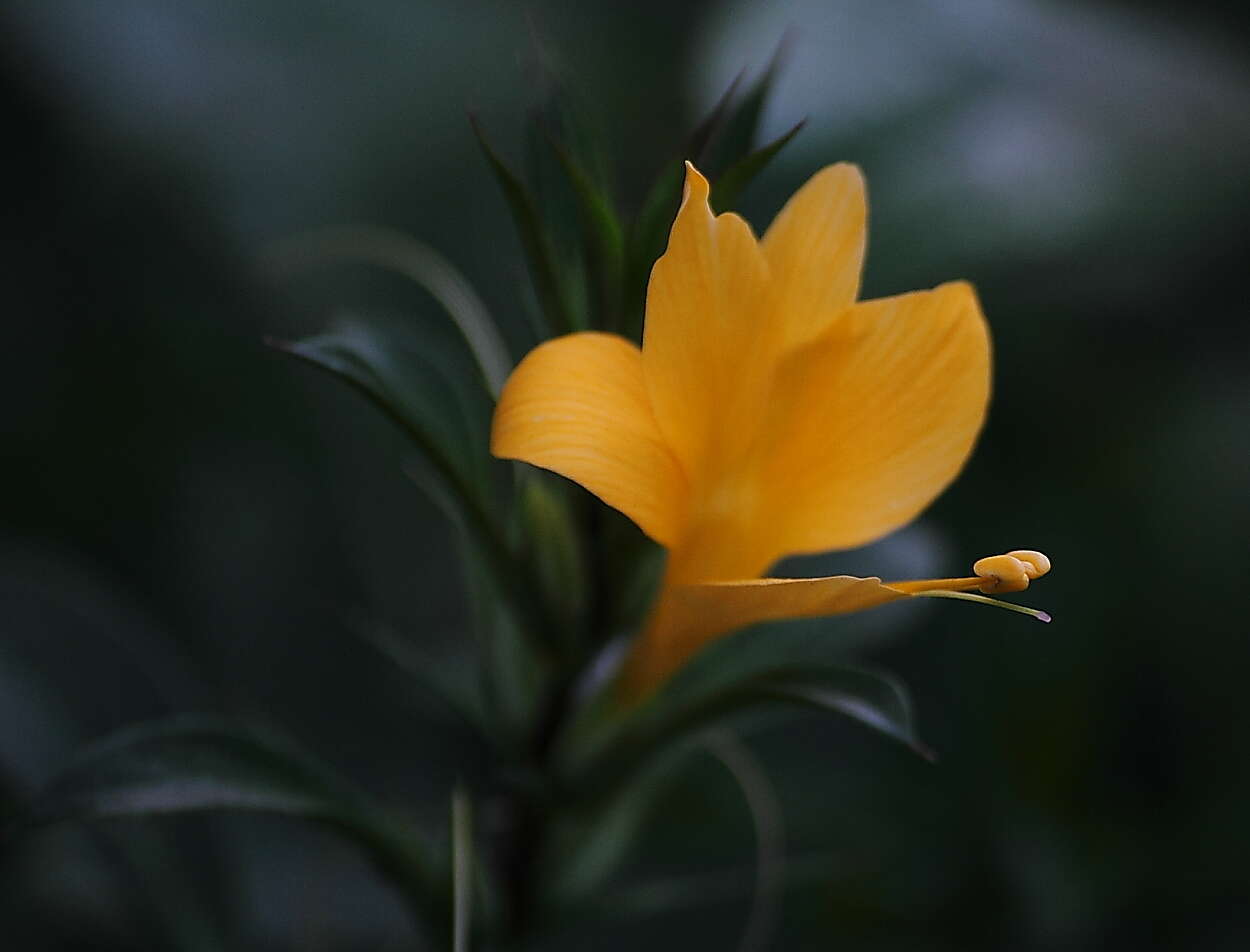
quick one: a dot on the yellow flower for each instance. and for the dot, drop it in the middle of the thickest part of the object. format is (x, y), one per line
(768, 413)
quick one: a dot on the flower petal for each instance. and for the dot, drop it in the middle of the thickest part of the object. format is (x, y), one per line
(577, 405)
(706, 315)
(874, 418)
(815, 250)
(689, 616)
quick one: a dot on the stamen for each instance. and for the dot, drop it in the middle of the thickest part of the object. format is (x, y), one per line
(994, 574)
(997, 603)
(930, 584)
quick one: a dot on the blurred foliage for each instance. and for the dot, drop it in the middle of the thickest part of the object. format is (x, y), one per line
(192, 523)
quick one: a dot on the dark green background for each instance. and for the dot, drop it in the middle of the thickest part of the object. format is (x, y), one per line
(190, 522)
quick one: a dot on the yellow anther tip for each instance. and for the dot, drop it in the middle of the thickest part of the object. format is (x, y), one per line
(1035, 563)
(1011, 572)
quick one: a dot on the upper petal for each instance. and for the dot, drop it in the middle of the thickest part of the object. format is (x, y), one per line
(815, 250)
(874, 418)
(706, 319)
(577, 405)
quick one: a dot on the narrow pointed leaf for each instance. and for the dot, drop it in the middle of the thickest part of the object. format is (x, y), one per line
(656, 215)
(740, 174)
(424, 392)
(554, 546)
(416, 385)
(194, 764)
(760, 798)
(609, 744)
(713, 123)
(395, 251)
(444, 683)
(647, 239)
(504, 591)
(726, 133)
(580, 128)
(873, 699)
(604, 237)
(593, 836)
(742, 127)
(534, 240)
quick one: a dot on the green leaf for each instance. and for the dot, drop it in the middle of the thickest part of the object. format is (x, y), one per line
(647, 239)
(627, 567)
(194, 763)
(760, 797)
(604, 237)
(410, 381)
(592, 838)
(446, 413)
(554, 546)
(534, 240)
(730, 184)
(395, 251)
(713, 123)
(873, 699)
(447, 683)
(741, 128)
(580, 124)
(719, 134)
(607, 743)
(518, 632)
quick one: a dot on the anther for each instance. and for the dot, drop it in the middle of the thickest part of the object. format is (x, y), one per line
(1035, 563)
(1011, 572)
